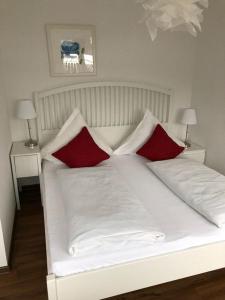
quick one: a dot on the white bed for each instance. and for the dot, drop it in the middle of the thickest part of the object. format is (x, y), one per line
(193, 245)
(183, 226)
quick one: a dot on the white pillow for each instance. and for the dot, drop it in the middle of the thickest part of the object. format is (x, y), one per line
(72, 117)
(172, 135)
(99, 141)
(70, 129)
(141, 134)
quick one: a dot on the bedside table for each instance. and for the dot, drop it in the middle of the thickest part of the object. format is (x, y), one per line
(195, 152)
(26, 162)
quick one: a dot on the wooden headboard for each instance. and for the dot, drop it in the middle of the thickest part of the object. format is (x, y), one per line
(105, 105)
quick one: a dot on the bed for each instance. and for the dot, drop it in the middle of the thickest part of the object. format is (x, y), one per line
(192, 242)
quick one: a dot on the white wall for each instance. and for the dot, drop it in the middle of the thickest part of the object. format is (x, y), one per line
(209, 86)
(3, 257)
(124, 49)
(7, 201)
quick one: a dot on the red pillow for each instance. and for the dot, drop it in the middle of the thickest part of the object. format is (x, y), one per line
(160, 146)
(81, 151)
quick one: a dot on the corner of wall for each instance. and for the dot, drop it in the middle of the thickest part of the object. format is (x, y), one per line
(3, 258)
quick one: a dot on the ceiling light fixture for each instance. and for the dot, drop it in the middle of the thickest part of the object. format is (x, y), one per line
(174, 15)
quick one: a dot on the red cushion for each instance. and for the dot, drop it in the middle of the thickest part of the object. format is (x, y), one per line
(160, 146)
(81, 151)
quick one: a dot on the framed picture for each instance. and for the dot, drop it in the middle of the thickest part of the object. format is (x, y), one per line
(71, 50)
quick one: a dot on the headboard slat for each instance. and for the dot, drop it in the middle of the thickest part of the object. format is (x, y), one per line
(102, 104)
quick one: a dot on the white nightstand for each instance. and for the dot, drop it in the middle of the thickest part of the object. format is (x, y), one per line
(26, 162)
(195, 152)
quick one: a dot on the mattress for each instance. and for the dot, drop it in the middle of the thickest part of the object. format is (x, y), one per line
(183, 226)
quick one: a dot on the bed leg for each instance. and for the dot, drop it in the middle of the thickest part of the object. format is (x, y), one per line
(51, 286)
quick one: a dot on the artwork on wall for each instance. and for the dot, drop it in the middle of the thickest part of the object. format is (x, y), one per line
(71, 50)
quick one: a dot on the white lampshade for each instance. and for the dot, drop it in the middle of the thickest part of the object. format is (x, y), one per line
(25, 110)
(189, 117)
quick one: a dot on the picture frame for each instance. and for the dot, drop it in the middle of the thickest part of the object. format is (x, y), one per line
(71, 50)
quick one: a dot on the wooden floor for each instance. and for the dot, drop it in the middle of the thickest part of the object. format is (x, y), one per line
(27, 277)
(28, 268)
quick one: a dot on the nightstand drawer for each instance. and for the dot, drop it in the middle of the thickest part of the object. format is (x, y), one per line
(26, 166)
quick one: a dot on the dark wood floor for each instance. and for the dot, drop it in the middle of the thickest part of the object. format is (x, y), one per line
(26, 280)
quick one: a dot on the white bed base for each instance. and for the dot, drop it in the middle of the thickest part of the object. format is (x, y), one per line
(114, 108)
(127, 277)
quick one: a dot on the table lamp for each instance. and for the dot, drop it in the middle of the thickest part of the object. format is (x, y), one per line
(25, 111)
(188, 118)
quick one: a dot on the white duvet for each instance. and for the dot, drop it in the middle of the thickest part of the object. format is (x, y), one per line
(103, 215)
(199, 186)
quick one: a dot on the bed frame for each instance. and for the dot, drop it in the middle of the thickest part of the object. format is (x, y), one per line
(114, 108)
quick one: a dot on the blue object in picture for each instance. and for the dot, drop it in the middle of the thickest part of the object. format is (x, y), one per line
(69, 49)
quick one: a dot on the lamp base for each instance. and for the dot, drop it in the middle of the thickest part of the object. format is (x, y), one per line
(30, 143)
(187, 144)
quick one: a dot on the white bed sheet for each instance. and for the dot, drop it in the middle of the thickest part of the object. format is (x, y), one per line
(184, 227)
